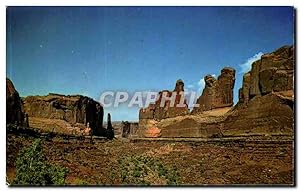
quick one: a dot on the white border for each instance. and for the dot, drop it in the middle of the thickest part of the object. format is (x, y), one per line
(5, 3)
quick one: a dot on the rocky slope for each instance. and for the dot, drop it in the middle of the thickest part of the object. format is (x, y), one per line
(266, 99)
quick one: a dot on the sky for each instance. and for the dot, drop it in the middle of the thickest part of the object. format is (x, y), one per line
(89, 50)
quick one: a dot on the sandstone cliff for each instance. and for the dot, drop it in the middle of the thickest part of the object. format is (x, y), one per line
(265, 107)
(73, 111)
(148, 117)
(217, 93)
(274, 72)
(157, 111)
(14, 113)
(266, 99)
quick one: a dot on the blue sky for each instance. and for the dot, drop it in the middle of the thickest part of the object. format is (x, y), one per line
(88, 50)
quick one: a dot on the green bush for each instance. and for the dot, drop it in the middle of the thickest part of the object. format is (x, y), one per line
(145, 170)
(32, 168)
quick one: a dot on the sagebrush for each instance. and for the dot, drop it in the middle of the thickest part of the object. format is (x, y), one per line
(33, 169)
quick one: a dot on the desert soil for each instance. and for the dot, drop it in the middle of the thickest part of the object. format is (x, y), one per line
(197, 163)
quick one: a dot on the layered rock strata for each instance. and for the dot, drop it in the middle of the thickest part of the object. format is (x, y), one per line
(217, 93)
(76, 110)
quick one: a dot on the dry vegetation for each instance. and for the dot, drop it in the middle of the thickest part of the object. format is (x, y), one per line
(120, 162)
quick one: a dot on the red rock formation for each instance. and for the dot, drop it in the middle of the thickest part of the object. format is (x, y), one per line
(152, 132)
(72, 109)
(268, 114)
(273, 72)
(166, 109)
(168, 104)
(217, 93)
(14, 113)
(244, 92)
(129, 129)
(266, 99)
(265, 108)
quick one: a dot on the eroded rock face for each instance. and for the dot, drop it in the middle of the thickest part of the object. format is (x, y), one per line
(166, 109)
(268, 114)
(129, 129)
(244, 92)
(266, 99)
(72, 109)
(217, 93)
(14, 113)
(265, 108)
(272, 73)
(163, 108)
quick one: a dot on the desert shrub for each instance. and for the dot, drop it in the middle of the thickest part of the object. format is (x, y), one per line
(33, 169)
(145, 170)
(79, 181)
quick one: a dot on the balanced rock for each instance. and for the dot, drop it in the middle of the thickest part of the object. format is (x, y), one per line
(217, 93)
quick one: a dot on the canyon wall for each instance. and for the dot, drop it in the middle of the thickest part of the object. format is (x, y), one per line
(76, 110)
(217, 93)
(159, 110)
(162, 110)
(265, 107)
(266, 99)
